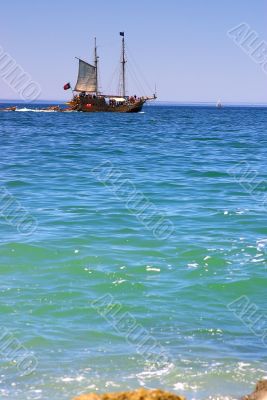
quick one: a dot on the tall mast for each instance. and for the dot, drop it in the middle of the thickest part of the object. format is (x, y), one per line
(96, 67)
(123, 62)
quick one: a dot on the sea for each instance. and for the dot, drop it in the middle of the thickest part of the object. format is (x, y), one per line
(133, 251)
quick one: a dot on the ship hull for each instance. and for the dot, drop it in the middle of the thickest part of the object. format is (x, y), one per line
(121, 109)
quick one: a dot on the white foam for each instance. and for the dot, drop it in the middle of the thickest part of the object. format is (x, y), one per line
(32, 110)
(193, 265)
(119, 281)
(148, 268)
(152, 372)
(179, 386)
(69, 379)
(261, 244)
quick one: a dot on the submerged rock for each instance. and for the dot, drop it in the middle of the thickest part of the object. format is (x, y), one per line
(260, 393)
(139, 394)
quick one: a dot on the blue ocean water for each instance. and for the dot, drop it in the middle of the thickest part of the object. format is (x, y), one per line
(153, 222)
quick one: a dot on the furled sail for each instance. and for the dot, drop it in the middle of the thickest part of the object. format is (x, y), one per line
(86, 81)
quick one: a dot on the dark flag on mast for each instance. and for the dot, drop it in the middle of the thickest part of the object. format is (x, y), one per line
(67, 86)
(121, 33)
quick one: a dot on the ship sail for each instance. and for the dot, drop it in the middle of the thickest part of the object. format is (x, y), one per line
(86, 81)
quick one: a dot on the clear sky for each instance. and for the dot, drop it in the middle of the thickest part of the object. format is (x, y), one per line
(181, 45)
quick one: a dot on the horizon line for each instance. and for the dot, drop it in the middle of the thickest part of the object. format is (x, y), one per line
(39, 101)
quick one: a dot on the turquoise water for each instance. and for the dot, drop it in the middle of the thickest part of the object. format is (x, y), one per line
(201, 172)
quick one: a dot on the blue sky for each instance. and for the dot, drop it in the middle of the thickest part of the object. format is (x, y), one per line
(181, 45)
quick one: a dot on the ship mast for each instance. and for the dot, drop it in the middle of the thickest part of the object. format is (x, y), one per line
(123, 62)
(96, 68)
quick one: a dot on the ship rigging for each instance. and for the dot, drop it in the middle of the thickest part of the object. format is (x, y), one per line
(87, 96)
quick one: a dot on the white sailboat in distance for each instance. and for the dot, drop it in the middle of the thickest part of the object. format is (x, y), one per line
(219, 104)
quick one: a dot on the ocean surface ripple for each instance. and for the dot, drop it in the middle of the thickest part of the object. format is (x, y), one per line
(203, 171)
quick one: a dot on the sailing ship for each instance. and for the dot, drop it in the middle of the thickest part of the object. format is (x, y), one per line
(219, 104)
(88, 98)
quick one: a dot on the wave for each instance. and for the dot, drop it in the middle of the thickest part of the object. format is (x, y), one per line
(33, 110)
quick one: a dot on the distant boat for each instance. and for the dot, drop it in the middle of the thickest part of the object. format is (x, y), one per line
(88, 98)
(219, 104)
